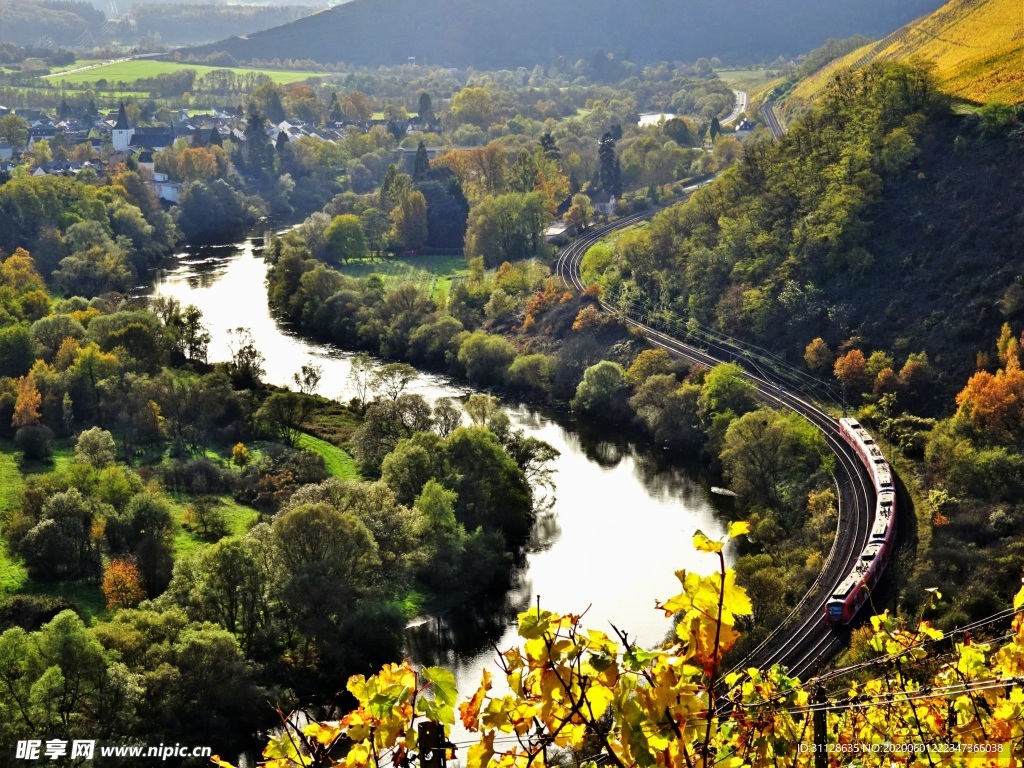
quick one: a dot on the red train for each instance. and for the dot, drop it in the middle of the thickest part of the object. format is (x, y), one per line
(854, 590)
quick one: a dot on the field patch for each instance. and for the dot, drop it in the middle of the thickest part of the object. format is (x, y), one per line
(434, 274)
(127, 71)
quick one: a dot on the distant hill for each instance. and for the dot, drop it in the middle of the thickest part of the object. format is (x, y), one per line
(495, 34)
(977, 47)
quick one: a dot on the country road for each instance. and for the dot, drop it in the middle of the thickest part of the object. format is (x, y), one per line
(739, 109)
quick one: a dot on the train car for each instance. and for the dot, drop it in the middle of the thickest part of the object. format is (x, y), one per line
(855, 589)
(884, 529)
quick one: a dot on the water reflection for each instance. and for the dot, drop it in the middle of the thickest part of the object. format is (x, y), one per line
(620, 527)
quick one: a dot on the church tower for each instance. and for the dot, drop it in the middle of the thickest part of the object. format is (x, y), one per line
(123, 131)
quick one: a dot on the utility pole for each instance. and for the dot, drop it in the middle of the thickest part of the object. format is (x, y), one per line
(820, 737)
(433, 747)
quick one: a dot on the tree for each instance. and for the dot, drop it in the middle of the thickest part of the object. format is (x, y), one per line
(443, 535)
(716, 129)
(26, 407)
(240, 455)
(259, 156)
(485, 357)
(610, 175)
(385, 424)
(60, 680)
(376, 224)
(284, 413)
(14, 130)
(344, 239)
(648, 363)
(677, 130)
(122, 584)
(308, 378)
(392, 379)
(205, 514)
(95, 447)
(507, 228)
(426, 109)
(549, 147)
(602, 389)
(852, 372)
(726, 389)
(669, 410)
(422, 165)
(770, 455)
(472, 105)
(523, 176)
(246, 364)
(409, 221)
(581, 212)
(818, 356)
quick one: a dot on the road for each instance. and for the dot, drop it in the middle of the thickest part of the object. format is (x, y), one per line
(803, 640)
(739, 109)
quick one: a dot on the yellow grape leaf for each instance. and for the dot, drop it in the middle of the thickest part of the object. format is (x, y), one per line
(470, 710)
(738, 528)
(598, 698)
(217, 761)
(704, 544)
(480, 754)
(1018, 600)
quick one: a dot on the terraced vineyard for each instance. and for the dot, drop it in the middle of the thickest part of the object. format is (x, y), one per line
(977, 47)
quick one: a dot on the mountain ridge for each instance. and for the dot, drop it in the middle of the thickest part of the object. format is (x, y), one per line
(510, 33)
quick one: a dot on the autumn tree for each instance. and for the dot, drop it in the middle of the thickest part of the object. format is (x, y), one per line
(472, 105)
(26, 407)
(994, 404)
(581, 212)
(818, 356)
(852, 372)
(122, 584)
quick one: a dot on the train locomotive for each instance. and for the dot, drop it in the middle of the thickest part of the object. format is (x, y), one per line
(855, 589)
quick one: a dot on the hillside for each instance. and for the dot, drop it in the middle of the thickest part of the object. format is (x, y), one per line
(509, 33)
(977, 47)
(881, 220)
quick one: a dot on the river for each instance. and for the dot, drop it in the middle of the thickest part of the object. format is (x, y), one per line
(620, 526)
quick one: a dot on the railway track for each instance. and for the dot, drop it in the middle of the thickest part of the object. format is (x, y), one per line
(772, 121)
(803, 640)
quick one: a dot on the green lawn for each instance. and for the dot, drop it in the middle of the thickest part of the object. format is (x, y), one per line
(239, 519)
(86, 596)
(339, 463)
(126, 71)
(744, 79)
(13, 471)
(433, 273)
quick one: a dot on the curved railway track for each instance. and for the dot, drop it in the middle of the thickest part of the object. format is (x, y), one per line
(803, 640)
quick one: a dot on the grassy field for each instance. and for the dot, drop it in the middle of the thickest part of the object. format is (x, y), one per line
(126, 71)
(239, 519)
(432, 273)
(339, 463)
(977, 50)
(744, 79)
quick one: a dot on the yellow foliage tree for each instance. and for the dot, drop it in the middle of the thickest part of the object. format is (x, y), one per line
(26, 407)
